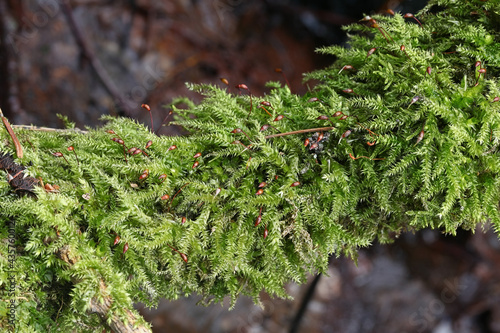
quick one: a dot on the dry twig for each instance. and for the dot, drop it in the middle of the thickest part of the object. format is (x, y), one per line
(17, 144)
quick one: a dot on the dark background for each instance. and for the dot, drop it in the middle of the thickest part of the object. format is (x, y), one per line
(143, 51)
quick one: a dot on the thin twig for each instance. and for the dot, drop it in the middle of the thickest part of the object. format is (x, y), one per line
(94, 62)
(294, 327)
(17, 144)
(49, 129)
(319, 129)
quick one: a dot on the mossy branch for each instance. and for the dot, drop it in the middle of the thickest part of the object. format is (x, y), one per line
(400, 135)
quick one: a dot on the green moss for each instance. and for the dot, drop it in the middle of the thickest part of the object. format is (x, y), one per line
(417, 149)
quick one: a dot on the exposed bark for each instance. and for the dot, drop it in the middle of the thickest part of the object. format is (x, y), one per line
(103, 306)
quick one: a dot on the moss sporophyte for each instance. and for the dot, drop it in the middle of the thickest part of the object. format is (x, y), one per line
(402, 133)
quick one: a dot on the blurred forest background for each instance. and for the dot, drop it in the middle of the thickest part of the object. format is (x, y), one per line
(86, 58)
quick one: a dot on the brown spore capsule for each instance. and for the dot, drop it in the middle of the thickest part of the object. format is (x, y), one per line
(346, 134)
(258, 220)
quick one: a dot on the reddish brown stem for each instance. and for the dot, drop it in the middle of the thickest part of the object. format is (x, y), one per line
(410, 15)
(59, 154)
(319, 129)
(323, 117)
(244, 86)
(403, 48)
(279, 70)
(375, 25)
(183, 256)
(177, 193)
(266, 126)
(148, 108)
(71, 148)
(164, 121)
(369, 131)
(373, 159)
(239, 130)
(17, 144)
(261, 107)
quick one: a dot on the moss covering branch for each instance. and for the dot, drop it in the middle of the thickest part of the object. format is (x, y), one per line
(406, 136)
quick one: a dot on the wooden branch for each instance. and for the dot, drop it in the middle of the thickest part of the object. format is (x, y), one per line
(102, 308)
